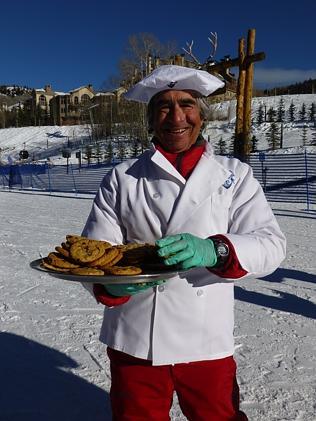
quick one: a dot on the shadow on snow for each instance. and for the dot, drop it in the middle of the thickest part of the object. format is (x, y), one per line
(36, 385)
(283, 301)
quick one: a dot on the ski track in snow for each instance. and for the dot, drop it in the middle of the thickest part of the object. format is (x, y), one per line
(54, 367)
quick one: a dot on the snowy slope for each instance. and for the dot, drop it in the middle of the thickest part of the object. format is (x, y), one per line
(39, 139)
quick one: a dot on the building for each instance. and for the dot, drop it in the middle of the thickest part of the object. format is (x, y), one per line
(63, 108)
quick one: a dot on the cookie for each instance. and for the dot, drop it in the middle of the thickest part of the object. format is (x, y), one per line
(108, 255)
(71, 239)
(87, 271)
(85, 251)
(47, 265)
(60, 262)
(64, 252)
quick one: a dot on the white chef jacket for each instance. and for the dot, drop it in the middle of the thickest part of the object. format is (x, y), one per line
(190, 317)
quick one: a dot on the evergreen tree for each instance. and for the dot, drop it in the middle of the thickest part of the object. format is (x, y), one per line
(271, 114)
(221, 147)
(121, 151)
(281, 110)
(304, 135)
(88, 153)
(312, 112)
(135, 148)
(273, 136)
(291, 112)
(254, 143)
(313, 140)
(109, 152)
(302, 112)
(260, 114)
(98, 153)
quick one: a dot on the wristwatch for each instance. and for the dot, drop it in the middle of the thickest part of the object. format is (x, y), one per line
(221, 250)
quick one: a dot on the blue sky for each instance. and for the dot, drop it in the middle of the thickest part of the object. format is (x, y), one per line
(69, 43)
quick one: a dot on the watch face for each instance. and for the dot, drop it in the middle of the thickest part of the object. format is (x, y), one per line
(222, 249)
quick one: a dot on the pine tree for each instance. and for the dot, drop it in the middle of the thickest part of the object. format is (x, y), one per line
(121, 151)
(302, 112)
(254, 143)
(98, 153)
(291, 112)
(281, 110)
(313, 140)
(304, 135)
(260, 114)
(273, 136)
(88, 152)
(221, 147)
(109, 152)
(312, 112)
(271, 114)
(135, 148)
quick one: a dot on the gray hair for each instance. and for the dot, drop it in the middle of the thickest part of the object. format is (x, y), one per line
(205, 110)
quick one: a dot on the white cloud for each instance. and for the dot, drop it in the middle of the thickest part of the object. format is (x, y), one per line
(265, 78)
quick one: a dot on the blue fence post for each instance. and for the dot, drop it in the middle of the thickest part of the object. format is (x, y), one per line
(73, 178)
(49, 182)
(306, 178)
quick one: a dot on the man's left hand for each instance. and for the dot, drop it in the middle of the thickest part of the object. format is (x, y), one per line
(187, 251)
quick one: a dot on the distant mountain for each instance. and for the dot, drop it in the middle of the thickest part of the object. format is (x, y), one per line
(306, 87)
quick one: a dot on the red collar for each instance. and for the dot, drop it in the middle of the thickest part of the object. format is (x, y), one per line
(186, 161)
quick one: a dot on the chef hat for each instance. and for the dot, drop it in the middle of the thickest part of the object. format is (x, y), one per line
(173, 77)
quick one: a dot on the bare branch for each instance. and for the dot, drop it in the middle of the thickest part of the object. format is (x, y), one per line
(190, 52)
(213, 41)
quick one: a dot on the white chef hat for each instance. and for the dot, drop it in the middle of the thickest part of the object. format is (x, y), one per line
(173, 77)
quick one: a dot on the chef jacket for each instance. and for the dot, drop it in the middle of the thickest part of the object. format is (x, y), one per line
(190, 317)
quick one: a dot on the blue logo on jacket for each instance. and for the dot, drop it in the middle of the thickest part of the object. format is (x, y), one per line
(230, 180)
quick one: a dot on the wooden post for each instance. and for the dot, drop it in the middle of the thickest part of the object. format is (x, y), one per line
(248, 95)
(245, 62)
(240, 99)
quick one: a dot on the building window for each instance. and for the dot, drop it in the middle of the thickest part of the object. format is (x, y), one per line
(85, 99)
(42, 100)
(76, 100)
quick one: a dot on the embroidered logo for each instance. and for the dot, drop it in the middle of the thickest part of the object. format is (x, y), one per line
(230, 180)
(172, 84)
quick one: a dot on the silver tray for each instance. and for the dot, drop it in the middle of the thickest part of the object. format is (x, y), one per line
(109, 279)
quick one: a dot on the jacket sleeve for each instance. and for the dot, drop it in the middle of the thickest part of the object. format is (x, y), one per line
(258, 242)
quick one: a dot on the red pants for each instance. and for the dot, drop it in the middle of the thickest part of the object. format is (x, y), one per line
(206, 390)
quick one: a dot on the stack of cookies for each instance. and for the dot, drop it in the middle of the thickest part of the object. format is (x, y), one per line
(83, 256)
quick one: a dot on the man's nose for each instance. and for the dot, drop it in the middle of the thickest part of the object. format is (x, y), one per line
(176, 113)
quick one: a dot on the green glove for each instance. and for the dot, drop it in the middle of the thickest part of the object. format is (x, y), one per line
(187, 251)
(121, 290)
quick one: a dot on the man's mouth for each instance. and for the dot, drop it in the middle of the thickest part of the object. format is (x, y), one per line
(176, 131)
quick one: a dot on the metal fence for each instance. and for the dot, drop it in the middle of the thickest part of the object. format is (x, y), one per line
(284, 177)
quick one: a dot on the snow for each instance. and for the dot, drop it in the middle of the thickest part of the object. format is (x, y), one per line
(54, 367)
(52, 363)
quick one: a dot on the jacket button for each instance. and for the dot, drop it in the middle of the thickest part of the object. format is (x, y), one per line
(199, 292)
(156, 195)
(161, 288)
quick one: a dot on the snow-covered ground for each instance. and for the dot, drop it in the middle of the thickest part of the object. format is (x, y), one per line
(53, 367)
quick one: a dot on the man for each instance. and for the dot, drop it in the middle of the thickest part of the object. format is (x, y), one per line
(205, 213)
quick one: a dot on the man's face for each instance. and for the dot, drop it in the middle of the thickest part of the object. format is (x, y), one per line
(176, 120)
